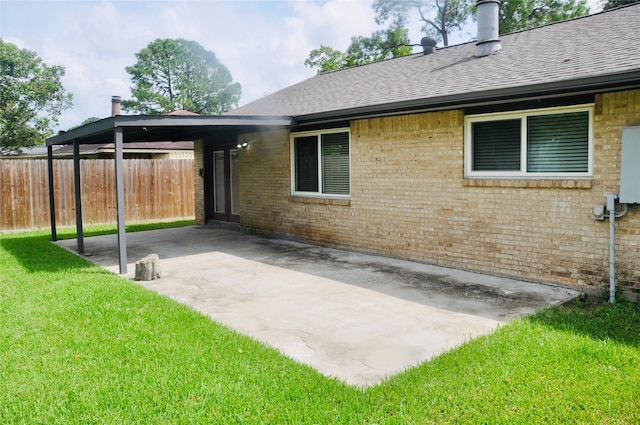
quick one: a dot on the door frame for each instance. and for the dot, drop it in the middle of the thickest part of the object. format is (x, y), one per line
(209, 186)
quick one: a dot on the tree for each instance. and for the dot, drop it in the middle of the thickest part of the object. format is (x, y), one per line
(612, 4)
(173, 74)
(31, 98)
(516, 15)
(384, 44)
(449, 14)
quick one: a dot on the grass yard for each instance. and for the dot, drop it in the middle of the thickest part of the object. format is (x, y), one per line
(79, 345)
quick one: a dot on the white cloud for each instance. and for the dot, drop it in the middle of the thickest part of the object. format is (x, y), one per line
(333, 23)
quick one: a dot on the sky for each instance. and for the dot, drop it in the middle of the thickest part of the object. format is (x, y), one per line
(263, 43)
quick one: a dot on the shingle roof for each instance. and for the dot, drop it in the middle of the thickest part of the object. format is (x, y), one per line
(598, 49)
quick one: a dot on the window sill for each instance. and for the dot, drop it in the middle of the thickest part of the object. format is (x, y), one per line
(530, 183)
(320, 201)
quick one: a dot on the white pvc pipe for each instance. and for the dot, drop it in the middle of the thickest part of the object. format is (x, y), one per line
(611, 206)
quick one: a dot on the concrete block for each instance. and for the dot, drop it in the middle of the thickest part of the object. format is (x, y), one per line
(148, 268)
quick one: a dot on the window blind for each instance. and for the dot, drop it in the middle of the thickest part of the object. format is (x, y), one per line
(496, 145)
(558, 143)
(306, 154)
(335, 164)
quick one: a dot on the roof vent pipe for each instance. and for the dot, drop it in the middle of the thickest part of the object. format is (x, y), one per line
(488, 32)
(115, 105)
(428, 45)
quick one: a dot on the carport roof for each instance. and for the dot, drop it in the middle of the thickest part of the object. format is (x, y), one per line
(142, 128)
(150, 128)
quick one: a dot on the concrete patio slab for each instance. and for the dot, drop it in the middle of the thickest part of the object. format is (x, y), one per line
(356, 317)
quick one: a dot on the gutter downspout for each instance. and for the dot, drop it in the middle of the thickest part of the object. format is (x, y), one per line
(611, 206)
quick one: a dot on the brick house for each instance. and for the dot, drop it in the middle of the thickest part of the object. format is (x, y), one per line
(494, 156)
(487, 156)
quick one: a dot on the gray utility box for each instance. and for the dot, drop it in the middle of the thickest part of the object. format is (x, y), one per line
(630, 166)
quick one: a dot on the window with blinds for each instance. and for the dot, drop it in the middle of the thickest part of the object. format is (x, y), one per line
(496, 145)
(306, 164)
(335, 163)
(321, 163)
(558, 143)
(535, 143)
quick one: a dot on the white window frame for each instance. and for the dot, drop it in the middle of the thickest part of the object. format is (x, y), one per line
(522, 115)
(319, 133)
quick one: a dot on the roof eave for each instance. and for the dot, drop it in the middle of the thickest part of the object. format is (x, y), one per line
(199, 120)
(67, 137)
(589, 85)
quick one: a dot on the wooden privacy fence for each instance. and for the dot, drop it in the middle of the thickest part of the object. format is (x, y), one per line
(154, 189)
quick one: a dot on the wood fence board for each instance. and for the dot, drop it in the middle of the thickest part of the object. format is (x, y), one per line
(155, 189)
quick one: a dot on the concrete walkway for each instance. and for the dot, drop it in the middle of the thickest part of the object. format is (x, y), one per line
(352, 316)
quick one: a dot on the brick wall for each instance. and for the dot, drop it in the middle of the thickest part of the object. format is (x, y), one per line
(265, 184)
(409, 199)
(613, 112)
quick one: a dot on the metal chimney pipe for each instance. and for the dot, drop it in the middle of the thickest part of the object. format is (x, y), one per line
(428, 45)
(488, 31)
(115, 105)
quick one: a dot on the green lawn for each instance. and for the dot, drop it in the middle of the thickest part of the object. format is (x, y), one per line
(79, 345)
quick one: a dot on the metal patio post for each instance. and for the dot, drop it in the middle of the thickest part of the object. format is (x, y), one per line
(78, 195)
(122, 234)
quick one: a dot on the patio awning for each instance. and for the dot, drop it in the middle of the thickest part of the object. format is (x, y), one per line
(121, 129)
(154, 128)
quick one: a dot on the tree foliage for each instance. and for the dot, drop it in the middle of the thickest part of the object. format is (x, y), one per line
(612, 4)
(384, 44)
(516, 15)
(31, 98)
(439, 17)
(173, 74)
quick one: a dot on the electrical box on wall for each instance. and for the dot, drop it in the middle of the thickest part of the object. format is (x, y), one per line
(630, 166)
